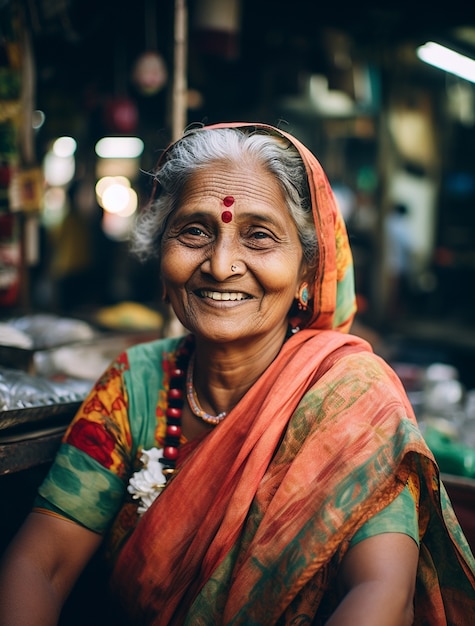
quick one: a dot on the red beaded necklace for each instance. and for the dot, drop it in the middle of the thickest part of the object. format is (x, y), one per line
(175, 400)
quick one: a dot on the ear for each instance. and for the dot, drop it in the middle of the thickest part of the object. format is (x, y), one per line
(308, 277)
(303, 296)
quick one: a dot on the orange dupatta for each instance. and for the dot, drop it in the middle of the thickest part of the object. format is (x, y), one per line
(197, 521)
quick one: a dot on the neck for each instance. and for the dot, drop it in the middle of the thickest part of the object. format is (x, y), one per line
(223, 373)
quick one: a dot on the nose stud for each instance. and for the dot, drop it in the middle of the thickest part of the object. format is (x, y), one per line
(233, 268)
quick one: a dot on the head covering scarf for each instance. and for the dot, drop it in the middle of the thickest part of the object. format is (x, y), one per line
(267, 501)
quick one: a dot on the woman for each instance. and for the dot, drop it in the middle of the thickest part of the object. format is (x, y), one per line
(299, 487)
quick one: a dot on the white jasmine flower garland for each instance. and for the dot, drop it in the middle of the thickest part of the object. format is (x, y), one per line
(146, 484)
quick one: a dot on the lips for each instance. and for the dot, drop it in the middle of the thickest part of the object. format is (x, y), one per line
(223, 295)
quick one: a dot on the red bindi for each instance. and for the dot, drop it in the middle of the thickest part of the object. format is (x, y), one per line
(226, 216)
(228, 201)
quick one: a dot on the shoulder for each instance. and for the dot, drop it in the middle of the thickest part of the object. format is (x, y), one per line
(356, 360)
(147, 366)
(363, 385)
(152, 350)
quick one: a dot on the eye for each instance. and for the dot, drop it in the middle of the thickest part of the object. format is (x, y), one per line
(260, 234)
(193, 230)
(193, 235)
(260, 238)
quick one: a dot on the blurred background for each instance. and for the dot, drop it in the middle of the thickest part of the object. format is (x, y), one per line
(91, 92)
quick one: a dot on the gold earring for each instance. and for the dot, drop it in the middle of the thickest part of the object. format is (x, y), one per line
(303, 297)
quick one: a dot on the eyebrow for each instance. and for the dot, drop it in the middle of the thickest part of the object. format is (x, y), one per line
(258, 217)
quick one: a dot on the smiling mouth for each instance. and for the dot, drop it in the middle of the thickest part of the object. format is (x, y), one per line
(223, 296)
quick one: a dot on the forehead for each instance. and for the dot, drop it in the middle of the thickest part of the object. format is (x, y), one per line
(245, 182)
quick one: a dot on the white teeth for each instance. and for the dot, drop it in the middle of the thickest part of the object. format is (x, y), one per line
(217, 295)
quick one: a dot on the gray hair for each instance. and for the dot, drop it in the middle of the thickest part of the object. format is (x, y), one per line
(196, 150)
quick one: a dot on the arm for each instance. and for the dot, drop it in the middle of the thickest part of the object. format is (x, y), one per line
(40, 567)
(378, 577)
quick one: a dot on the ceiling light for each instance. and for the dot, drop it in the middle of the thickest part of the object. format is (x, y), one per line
(446, 59)
(64, 147)
(119, 147)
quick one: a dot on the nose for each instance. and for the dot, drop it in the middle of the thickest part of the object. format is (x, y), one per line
(224, 259)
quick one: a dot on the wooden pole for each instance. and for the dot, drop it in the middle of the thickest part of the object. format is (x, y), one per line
(180, 85)
(28, 222)
(173, 328)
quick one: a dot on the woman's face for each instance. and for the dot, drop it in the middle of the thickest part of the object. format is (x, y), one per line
(232, 268)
